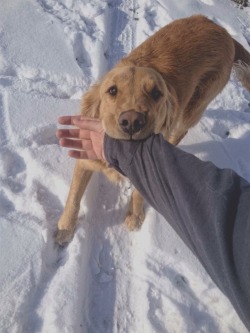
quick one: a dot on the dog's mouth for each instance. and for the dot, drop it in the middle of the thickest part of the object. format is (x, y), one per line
(120, 135)
(129, 128)
(139, 136)
(136, 136)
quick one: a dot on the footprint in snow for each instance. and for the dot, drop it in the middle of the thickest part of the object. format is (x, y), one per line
(11, 163)
(50, 202)
(42, 136)
(81, 55)
(157, 309)
(102, 267)
(151, 16)
(13, 185)
(11, 168)
(180, 281)
(6, 206)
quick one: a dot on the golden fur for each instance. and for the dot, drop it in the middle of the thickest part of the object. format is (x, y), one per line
(170, 78)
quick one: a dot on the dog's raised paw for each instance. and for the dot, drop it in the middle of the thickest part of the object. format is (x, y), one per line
(134, 222)
(64, 236)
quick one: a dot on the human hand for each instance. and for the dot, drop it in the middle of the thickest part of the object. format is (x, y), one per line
(86, 140)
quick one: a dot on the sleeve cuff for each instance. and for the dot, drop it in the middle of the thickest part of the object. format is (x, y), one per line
(119, 153)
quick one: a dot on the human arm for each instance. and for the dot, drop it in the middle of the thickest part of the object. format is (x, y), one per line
(208, 207)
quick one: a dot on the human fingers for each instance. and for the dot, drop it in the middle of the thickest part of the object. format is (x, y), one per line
(73, 133)
(67, 133)
(66, 120)
(76, 144)
(91, 124)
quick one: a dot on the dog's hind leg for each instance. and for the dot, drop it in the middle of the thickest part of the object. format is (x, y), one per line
(67, 221)
(135, 215)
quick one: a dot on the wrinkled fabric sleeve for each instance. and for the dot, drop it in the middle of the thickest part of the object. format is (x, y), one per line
(208, 207)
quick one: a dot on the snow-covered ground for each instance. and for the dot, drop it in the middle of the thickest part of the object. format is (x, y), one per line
(107, 279)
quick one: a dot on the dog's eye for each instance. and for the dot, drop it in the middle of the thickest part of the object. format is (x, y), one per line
(155, 93)
(112, 90)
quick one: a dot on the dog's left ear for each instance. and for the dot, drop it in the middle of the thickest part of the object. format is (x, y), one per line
(91, 102)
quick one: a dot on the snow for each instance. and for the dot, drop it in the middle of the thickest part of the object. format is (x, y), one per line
(107, 279)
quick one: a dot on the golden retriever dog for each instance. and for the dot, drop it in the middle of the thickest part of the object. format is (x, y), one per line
(162, 86)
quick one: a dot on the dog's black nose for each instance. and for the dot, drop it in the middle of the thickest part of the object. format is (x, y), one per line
(132, 122)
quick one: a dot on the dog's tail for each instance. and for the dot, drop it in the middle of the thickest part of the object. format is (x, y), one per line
(242, 64)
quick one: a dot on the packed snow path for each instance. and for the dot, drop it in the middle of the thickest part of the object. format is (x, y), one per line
(107, 279)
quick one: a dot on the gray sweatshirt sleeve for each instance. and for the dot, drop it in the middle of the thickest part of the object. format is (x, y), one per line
(208, 207)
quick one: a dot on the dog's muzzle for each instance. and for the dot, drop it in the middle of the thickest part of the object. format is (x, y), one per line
(132, 122)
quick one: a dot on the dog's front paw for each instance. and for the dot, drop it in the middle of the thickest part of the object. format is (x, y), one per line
(134, 222)
(64, 236)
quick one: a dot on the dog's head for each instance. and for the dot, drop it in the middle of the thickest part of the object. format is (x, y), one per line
(132, 102)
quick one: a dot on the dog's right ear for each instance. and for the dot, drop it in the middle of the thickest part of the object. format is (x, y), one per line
(91, 102)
